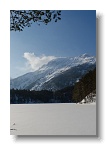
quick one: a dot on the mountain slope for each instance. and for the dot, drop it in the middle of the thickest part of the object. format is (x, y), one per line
(67, 78)
(52, 72)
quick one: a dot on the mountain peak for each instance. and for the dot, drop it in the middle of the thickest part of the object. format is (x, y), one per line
(85, 55)
(38, 79)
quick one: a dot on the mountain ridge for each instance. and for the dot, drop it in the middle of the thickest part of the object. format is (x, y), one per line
(49, 71)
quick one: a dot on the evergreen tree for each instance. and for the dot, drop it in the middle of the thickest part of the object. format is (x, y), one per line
(85, 86)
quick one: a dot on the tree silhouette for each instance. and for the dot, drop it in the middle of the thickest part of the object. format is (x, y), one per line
(85, 86)
(19, 19)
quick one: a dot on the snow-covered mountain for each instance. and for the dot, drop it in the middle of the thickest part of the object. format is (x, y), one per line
(49, 72)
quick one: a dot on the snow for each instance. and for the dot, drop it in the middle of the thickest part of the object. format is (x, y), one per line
(89, 99)
(53, 119)
(49, 71)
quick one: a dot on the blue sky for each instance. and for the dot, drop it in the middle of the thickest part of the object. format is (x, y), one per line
(73, 35)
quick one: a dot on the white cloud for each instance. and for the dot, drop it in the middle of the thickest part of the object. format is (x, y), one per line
(34, 62)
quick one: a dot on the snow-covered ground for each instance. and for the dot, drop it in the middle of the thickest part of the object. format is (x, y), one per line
(89, 99)
(53, 119)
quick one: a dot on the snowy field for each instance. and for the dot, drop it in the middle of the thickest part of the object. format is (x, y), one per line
(53, 119)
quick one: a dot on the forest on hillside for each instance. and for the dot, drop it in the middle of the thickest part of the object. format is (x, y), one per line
(70, 94)
(85, 86)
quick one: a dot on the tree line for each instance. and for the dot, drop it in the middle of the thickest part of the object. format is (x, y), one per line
(43, 96)
(70, 94)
